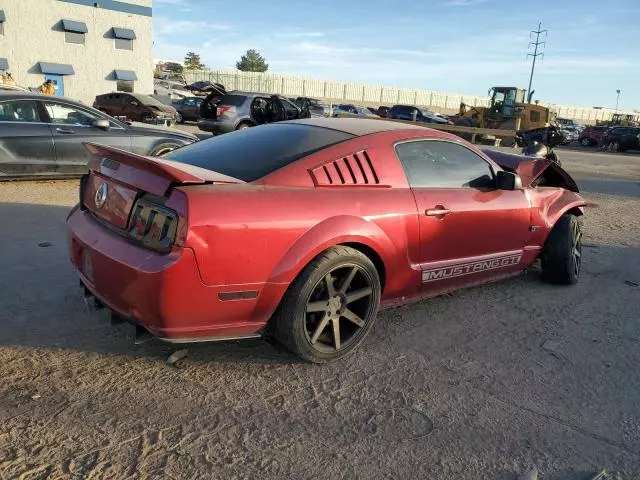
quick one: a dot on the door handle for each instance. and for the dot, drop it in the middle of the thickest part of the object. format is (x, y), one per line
(439, 211)
(65, 130)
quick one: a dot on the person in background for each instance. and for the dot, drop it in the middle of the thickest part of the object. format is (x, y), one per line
(8, 79)
(47, 88)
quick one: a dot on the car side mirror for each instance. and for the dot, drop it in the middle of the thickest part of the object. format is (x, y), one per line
(508, 181)
(101, 124)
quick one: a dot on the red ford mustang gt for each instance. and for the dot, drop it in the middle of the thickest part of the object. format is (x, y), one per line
(303, 229)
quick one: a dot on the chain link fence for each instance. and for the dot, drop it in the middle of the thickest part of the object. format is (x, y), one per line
(369, 95)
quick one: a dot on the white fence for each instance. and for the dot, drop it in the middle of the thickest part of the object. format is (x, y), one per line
(372, 95)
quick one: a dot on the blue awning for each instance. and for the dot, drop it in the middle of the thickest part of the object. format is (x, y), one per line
(4, 64)
(2, 16)
(124, 33)
(125, 75)
(73, 26)
(56, 68)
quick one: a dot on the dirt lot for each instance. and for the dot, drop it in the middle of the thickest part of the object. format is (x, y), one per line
(481, 384)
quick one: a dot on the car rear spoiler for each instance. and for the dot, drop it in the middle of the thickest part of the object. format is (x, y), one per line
(151, 174)
(530, 169)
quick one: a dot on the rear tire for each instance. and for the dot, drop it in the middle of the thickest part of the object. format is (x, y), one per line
(163, 149)
(562, 254)
(330, 307)
(179, 118)
(244, 126)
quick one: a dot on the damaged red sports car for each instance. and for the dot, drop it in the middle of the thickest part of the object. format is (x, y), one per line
(302, 230)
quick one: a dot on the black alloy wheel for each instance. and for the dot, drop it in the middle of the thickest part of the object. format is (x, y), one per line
(330, 307)
(337, 308)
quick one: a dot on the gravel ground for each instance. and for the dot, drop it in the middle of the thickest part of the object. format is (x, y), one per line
(480, 384)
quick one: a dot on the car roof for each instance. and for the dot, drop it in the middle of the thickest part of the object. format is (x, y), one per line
(356, 126)
(16, 95)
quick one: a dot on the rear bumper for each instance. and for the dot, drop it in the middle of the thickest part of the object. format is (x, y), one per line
(161, 292)
(216, 127)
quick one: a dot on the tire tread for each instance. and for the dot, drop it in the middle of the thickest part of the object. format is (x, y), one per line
(557, 256)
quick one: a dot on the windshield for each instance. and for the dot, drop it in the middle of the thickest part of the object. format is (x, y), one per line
(251, 154)
(147, 100)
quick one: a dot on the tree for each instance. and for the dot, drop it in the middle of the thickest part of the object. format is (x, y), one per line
(252, 61)
(192, 62)
(172, 67)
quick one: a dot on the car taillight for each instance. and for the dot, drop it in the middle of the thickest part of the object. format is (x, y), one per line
(84, 180)
(221, 110)
(153, 225)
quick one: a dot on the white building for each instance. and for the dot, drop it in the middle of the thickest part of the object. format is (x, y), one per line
(87, 47)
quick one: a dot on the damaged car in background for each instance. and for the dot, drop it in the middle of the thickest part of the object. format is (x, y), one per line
(135, 107)
(223, 112)
(302, 230)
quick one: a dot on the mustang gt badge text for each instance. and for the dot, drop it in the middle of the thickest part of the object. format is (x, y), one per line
(470, 268)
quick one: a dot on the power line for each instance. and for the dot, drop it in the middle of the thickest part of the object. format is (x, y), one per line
(535, 53)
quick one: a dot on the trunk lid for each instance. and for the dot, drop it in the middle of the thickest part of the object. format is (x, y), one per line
(117, 179)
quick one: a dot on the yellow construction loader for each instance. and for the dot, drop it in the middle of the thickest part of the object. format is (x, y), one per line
(507, 110)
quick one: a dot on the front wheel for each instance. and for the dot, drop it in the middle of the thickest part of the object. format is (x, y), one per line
(331, 306)
(562, 254)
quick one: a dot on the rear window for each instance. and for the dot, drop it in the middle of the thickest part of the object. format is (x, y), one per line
(233, 100)
(256, 152)
(147, 100)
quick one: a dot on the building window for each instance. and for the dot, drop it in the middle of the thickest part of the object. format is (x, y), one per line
(1, 28)
(74, 37)
(124, 86)
(124, 44)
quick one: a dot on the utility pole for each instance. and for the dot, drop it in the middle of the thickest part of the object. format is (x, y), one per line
(535, 54)
(618, 100)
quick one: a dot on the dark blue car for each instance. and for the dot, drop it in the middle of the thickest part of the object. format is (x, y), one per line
(417, 114)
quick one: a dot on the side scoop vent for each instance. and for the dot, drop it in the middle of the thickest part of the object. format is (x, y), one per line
(355, 169)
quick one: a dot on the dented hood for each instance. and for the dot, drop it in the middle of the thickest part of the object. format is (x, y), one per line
(530, 169)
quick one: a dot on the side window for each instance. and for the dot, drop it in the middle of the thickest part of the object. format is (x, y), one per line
(436, 164)
(66, 115)
(19, 111)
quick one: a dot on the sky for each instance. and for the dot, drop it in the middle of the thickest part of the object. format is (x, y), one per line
(459, 46)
